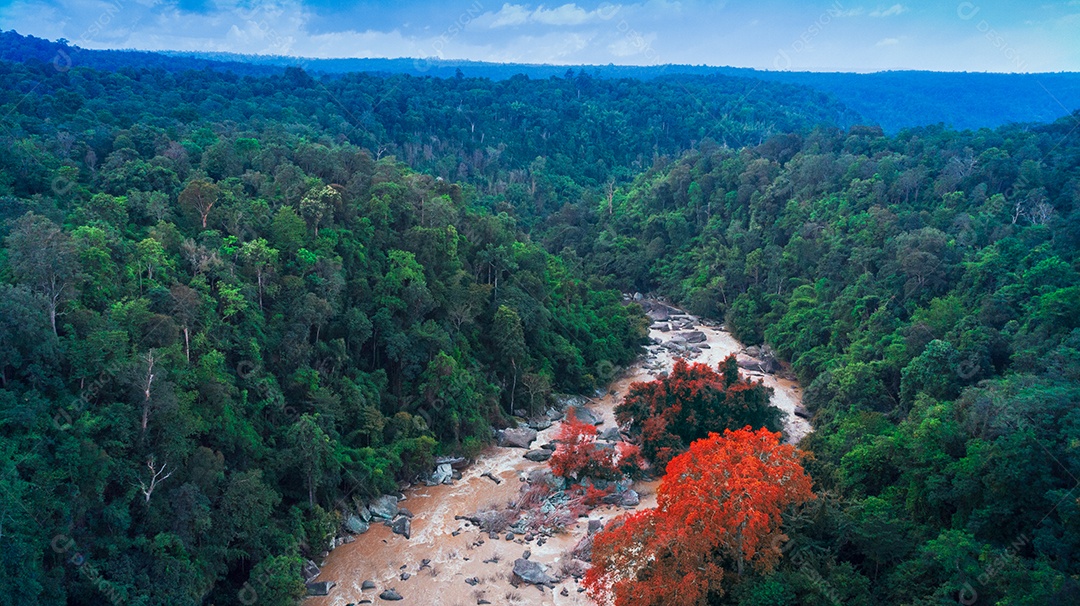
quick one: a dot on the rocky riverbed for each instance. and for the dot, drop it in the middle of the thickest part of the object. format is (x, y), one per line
(434, 552)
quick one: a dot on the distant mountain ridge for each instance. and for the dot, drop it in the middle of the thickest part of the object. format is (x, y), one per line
(894, 100)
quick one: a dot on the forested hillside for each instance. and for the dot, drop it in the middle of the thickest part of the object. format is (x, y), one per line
(926, 290)
(215, 335)
(230, 304)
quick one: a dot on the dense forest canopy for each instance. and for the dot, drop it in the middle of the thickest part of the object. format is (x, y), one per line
(230, 304)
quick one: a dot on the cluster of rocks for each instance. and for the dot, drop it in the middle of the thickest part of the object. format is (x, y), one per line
(758, 358)
(447, 471)
(384, 509)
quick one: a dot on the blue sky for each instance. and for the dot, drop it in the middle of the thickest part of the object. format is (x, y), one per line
(845, 35)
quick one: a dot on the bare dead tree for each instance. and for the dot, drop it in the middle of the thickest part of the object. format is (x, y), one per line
(157, 476)
(148, 383)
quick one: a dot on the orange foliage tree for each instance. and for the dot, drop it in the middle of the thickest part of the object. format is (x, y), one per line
(718, 510)
(692, 402)
(577, 455)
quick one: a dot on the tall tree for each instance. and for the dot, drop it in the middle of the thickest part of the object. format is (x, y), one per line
(43, 257)
(200, 196)
(509, 338)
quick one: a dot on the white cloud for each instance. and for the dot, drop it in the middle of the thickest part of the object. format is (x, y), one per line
(510, 14)
(892, 11)
(567, 14)
(888, 42)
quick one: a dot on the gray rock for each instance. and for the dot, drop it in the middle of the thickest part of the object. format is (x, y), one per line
(390, 595)
(552, 446)
(802, 412)
(695, 337)
(532, 572)
(520, 437)
(402, 526)
(364, 513)
(638, 296)
(320, 588)
(585, 415)
(367, 585)
(310, 571)
(404, 512)
(747, 362)
(540, 423)
(611, 434)
(385, 507)
(658, 313)
(356, 525)
(630, 498)
(595, 526)
(454, 462)
(443, 472)
(539, 455)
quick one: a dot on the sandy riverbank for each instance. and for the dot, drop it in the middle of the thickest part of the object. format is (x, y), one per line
(381, 556)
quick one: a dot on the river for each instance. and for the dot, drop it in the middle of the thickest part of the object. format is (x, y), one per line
(457, 551)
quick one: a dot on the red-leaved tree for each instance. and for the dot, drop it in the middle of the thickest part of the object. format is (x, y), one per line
(718, 511)
(578, 456)
(692, 402)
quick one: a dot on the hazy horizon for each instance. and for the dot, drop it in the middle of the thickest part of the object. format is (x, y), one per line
(834, 36)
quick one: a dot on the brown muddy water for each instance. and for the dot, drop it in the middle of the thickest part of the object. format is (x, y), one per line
(381, 556)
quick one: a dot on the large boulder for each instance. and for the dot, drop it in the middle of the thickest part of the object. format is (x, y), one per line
(748, 363)
(626, 498)
(695, 337)
(539, 455)
(385, 507)
(658, 312)
(402, 526)
(390, 595)
(585, 415)
(520, 437)
(320, 588)
(442, 474)
(540, 423)
(355, 524)
(533, 572)
(565, 401)
(611, 434)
